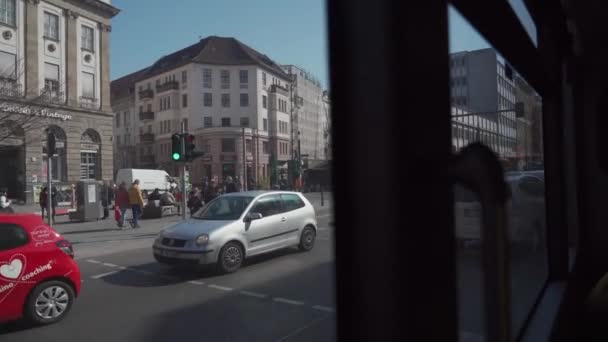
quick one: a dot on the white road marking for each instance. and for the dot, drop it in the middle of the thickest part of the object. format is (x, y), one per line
(287, 301)
(123, 268)
(299, 330)
(109, 265)
(218, 287)
(323, 228)
(326, 215)
(253, 294)
(196, 282)
(94, 261)
(103, 275)
(323, 308)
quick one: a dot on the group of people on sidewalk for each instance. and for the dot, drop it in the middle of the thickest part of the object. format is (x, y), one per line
(128, 199)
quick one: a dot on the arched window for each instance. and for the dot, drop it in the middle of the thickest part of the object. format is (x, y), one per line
(90, 155)
(59, 159)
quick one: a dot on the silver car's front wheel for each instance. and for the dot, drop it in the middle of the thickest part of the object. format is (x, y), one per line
(307, 239)
(230, 258)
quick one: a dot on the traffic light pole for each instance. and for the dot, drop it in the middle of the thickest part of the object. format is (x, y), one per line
(183, 171)
(49, 191)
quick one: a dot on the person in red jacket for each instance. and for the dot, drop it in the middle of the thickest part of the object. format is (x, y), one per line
(122, 203)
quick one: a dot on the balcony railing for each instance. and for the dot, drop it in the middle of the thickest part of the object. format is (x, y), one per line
(54, 97)
(146, 94)
(171, 85)
(146, 138)
(10, 88)
(88, 102)
(147, 159)
(146, 116)
(279, 90)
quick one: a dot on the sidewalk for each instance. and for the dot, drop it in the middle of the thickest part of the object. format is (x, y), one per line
(35, 209)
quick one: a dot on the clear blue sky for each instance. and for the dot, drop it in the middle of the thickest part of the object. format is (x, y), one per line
(288, 31)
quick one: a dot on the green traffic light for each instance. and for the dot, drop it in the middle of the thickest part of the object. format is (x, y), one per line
(175, 156)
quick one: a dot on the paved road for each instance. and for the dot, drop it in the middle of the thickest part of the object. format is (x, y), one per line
(128, 296)
(284, 296)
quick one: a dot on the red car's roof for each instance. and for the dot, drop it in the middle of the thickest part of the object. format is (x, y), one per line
(27, 220)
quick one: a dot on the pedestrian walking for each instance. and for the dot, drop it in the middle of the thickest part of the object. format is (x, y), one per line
(5, 203)
(42, 200)
(194, 201)
(136, 201)
(210, 192)
(121, 204)
(230, 185)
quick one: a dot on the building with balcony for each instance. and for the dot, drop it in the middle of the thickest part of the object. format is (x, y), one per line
(54, 62)
(234, 99)
(309, 113)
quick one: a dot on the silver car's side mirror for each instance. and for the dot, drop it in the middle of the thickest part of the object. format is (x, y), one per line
(253, 216)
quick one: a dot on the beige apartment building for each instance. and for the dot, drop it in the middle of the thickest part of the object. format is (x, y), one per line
(54, 75)
(230, 96)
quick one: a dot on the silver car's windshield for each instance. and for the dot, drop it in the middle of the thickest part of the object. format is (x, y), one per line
(224, 208)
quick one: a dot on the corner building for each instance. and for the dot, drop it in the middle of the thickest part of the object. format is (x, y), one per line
(54, 75)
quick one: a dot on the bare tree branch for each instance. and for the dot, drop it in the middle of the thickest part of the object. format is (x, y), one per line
(20, 116)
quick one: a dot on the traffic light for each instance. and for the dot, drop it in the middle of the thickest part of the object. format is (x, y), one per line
(176, 147)
(190, 147)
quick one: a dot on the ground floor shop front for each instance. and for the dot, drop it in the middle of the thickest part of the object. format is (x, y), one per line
(83, 152)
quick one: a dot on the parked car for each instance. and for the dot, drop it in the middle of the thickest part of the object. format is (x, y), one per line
(39, 279)
(238, 225)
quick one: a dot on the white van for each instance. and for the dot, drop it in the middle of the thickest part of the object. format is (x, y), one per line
(148, 179)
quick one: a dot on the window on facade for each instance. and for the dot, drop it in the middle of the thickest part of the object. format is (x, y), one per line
(118, 140)
(51, 78)
(126, 119)
(185, 121)
(207, 83)
(88, 165)
(208, 121)
(265, 147)
(264, 101)
(207, 100)
(117, 120)
(244, 122)
(263, 78)
(244, 100)
(51, 26)
(243, 78)
(225, 122)
(8, 12)
(8, 65)
(184, 77)
(149, 107)
(265, 124)
(228, 145)
(184, 100)
(88, 85)
(225, 100)
(88, 37)
(225, 79)
(248, 145)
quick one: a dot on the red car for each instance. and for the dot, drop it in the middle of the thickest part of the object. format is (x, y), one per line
(39, 278)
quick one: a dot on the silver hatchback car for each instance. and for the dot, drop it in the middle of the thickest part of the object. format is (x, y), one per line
(239, 225)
